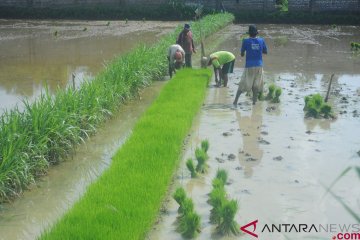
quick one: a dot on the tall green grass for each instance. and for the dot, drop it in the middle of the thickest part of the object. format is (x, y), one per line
(125, 200)
(48, 130)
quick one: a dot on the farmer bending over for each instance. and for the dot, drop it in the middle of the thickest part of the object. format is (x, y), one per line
(176, 58)
(252, 78)
(224, 59)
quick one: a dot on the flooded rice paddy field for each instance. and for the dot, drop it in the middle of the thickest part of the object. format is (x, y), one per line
(38, 53)
(279, 163)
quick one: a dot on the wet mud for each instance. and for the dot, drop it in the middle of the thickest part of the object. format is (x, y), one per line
(279, 163)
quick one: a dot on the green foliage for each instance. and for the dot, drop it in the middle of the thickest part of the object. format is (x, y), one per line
(274, 93)
(216, 195)
(217, 183)
(201, 157)
(283, 5)
(276, 98)
(205, 145)
(316, 107)
(186, 207)
(223, 210)
(222, 175)
(216, 200)
(190, 165)
(355, 46)
(325, 109)
(271, 92)
(227, 223)
(141, 171)
(190, 225)
(179, 196)
(189, 221)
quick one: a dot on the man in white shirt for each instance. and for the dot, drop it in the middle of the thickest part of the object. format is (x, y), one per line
(176, 57)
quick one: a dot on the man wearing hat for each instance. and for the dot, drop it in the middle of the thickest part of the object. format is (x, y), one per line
(223, 63)
(185, 40)
(252, 78)
(176, 58)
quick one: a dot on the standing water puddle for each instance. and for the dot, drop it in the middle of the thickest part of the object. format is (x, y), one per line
(278, 162)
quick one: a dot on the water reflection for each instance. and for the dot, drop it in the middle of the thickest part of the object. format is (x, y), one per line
(251, 153)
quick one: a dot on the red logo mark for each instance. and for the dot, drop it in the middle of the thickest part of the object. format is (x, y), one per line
(252, 233)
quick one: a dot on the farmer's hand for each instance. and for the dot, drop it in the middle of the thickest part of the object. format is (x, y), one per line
(194, 51)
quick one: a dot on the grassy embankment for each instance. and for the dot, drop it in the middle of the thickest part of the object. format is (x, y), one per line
(126, 199)
(48, 130)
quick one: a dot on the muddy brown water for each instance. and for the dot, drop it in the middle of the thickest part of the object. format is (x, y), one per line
(30, 55)
(279, 163)
(35, 53)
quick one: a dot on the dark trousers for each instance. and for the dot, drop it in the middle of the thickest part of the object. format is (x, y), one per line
(188, 60)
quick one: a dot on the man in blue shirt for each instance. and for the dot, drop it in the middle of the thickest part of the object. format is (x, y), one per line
(252, 78)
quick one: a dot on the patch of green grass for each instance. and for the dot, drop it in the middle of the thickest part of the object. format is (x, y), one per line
(355, 46)
(190, 225)
(276, 98)
(216, 200)
(273, 94)
(180, 196)
(201, 158)
(205, 145)
(316, 107)
(191, 166)
(222, 175)
(227, 223)
(188, 219)
(125, 200)
(223, 210)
